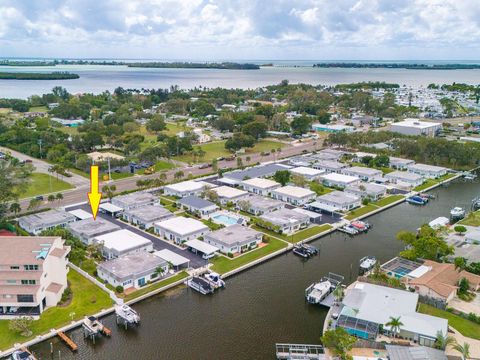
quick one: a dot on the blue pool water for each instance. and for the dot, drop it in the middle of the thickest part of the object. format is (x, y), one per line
(225, 219)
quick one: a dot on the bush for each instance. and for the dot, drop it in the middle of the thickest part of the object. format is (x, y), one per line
(119, 289)
(230, 255)
(460, 229)
(365, 201)
(67, 293)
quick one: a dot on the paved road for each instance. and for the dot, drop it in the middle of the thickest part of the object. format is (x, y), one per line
(80, 195)
(42, 167)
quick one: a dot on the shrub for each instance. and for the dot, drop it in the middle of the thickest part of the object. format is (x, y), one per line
(460, 229)
(365, 201)
(230, 255)
(119, 289)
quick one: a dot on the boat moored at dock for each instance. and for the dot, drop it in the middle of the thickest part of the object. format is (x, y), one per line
(457, 213)
(417, 200)
(214, 279)
(321, 293)
(201, 285)
(126, 315)
(305, 251)
(367, 263)
(23, 354)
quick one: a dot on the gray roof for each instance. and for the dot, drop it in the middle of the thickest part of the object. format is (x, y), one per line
(132, 265)
(134, 198)
(404, 175)
(149, 213)
(338, 197)
(233, 235)
(261, 202)
(92, 228)
(196, 202)
(257, 171)
(284, 216)
(363, 171)
(397, 352)
(49, 217)
(368, 188)
(425, 167)
(329, 164)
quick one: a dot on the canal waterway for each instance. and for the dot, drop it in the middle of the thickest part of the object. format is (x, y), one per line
(260, 306)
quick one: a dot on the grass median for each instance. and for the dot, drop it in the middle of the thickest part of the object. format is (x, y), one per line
(44, 184)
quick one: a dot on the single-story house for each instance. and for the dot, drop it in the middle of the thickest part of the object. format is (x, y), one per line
(330, 166)
(367, 191)
(237, 176)
(86, 230)
(339, 180)
(286, 221)
(427, 171)
(364, 173)
(46, 220)
(180, 229)
(329, 154)
(132, 270)
(186, 188)
(400, 163)
(258, 205)
(228, 194)
(260, 186)
(294, 195)
(402, 352)
(406, 178)
(339, 200)
(234, 239)
(135, 200)
(122, 242)
(146, 216)
(307, 172)
(197, 205)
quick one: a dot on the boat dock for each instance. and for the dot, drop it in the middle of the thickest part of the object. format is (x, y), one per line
(299, 352)
(67, 340)
(335, 281)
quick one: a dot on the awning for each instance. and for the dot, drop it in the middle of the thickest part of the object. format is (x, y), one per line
(228, 181)
(202, 246)
(109, 207)
(320, 206)
(171, 257)
(311, 214)
(81, 214)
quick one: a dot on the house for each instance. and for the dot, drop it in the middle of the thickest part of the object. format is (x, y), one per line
(234, 239)
(122, 242)
(400, 163)
(332, 128)
(364, 173)
(186, 188)
(285, 221)
(360, 120)
(258, 205)
(427, 171)
(368, 308)
(197, 205)
(401, 352)
(330, 154)
(416, 127)
(135, 200)
(405, 178)
(86, 230)
(46, 220)
(33, 274)
(294, 195)
(339, 180)
(338, 200)
(228, 194)
(260, 186)
(441, 281)
(329, 166)
(132, 270)
(307, 172)
(237, 176)
(146, 216)
(367, 191)
(180, 229)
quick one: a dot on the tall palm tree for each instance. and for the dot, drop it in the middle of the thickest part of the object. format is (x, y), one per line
(443, 341)
(395, 324)
(464, 350)
(15, 208)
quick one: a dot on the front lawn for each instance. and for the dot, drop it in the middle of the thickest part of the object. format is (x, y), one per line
(122, 175)
(87, 299)
(308, 232)
(388, 200)
(223, 264)
(157, 285)
(361, 211)
(163, 165)
(472, 219)
(465, 327)
(44, 184)
(428, 183)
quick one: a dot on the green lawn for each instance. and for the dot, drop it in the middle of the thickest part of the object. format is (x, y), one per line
(164, 165)
(361, 211)
(428, 183)
(473, 219)
(465, 327)
(118, 176)
(174, 129)
(388, 200)
(222, 264)
(68, 130)
(157, 285)
(298, 236)
(88, 299)
(38, 109)
(40, 184)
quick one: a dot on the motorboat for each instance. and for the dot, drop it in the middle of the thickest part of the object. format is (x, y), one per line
(367, 263)
(92, 325)
(127, 314)
(214, 279)
(457, 213)
(301, 251)
(311, 249)
(349, 229)
(201, 285)
(22, 355)
(316, 292)
(416, 200)
(360, 225)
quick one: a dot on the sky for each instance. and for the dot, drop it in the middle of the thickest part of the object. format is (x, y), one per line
(241, 29)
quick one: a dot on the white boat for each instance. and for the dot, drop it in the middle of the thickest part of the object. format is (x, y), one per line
(349, 229)
(214, 279)
(22, 355)
(367, 263)
(127, 314)
(92, 325)
(457, 213)
(201, 285)
(316, 292)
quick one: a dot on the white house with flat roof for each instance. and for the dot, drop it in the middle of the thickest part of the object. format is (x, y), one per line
(229, 194)
(86, 230)
(135, 200)
(369, 191)
(400, 163)
(132, 270)
(427, 171)
(258, 205)
(330, 166)
(260, 186)
(197, 205)
(186, 188)
(286, 221)
(46, 220)
(364, 173)
(339, 200)
(180, 229)
(146, 216)
(294, 195)
(234, 239)
(339, 180)
(307, 172)
(405, 178)
(416, 127)
(122, 242)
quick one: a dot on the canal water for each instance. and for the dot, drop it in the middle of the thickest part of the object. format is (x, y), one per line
(260, 306)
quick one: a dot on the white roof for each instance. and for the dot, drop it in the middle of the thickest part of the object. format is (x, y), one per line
(261, 183)
(311, 214)
(418, 272)
(425, 167)
(188, 185)
(229, 192)
(110, 207)
(182, 225)
(122, 240)
(228, 181)
(171, 257)
(341, 178)
(294, 191)
(416, 124)
(438, 222)
(303, 170)
(81, 214)
(202, 246)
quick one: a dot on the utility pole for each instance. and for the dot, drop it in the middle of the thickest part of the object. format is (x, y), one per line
(40, 144)
(109, 171)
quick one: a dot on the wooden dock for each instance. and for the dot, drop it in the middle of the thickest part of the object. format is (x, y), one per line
(67, 341)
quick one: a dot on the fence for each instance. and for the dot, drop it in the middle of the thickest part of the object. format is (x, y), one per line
(440, 304)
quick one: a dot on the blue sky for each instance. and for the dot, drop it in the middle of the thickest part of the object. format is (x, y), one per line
(241, 29)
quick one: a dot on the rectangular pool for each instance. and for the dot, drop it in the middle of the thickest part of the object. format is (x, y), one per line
(225, 219)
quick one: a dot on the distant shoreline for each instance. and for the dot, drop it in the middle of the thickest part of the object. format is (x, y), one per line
(398, 66)
(38, 76)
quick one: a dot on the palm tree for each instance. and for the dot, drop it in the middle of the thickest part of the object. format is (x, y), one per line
(443, 341)
(51, 198)
(338, 293)
(15, 208)
(59, 196)
(395, 324)
(464, 350)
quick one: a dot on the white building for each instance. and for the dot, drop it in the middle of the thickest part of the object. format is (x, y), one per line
(181, 229)
(46, 220)
(330, 166)
(186, 188)
(86, 230)
(307, 172)
(135, 200)
(234, 239)
(260, 186)
(258, 205)
(229, 194)
(197, 205)
(364, 173)
(339, 180)
(146, 216)
(294, 195)
(405, 178)
(400, 163)
(122, 242)
(339, 200)
(416, 127)
(286, 221)
(367, 191)
(33, 274)
(427, 171)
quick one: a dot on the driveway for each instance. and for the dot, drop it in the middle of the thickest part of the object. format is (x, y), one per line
(466, 307)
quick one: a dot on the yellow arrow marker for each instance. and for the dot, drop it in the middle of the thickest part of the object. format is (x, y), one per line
(94, 195)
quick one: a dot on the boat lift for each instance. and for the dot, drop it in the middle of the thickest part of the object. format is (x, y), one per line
(299, 352)
(335, 281)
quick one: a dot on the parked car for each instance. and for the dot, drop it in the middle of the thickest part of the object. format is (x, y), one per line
(40, 197)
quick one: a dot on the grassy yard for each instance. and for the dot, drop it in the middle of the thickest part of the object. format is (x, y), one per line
(163, 165)
(157, 285)
(361, 211)
(87, 299)
(40, 184)
(431, 182)
(472, 219)
(465, 327)
(299, 236)
(118, 176)
(222, 264)
(388, 200)
(68, 130)
(38, 109)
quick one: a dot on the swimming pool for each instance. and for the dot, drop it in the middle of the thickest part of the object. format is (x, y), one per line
(225, 219)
